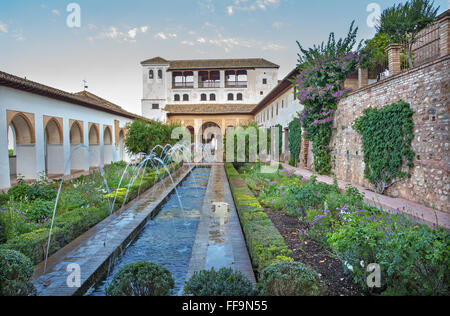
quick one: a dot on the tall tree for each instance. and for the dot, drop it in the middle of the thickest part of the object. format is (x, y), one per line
(403, 22)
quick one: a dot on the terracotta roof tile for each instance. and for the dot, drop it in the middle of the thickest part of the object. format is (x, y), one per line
(84, 98)
(213, 63)
(209, 108)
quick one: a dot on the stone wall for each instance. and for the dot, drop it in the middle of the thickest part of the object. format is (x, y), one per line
(426, 88)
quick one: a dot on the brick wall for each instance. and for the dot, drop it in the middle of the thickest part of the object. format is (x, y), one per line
(427, 89)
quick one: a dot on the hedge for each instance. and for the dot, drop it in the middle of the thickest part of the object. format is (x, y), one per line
(265, 244)
(69, 226)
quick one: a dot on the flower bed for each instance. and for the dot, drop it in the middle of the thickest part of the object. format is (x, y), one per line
(266, 245)
(413, 258)
(26, 210)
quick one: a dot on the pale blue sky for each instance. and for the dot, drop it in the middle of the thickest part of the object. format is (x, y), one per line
(116, 35)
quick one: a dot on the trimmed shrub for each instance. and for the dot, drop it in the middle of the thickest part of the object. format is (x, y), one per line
(141, 279)
(290, 279)
(265, 244)
(16, 271)
(225, 282)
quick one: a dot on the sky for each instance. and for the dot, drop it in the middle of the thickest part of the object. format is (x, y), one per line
(113, 37)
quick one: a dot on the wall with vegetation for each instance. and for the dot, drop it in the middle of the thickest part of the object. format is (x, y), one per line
(426, 89)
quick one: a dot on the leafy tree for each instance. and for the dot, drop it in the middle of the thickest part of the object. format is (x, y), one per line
(403, 22)
(144, 136)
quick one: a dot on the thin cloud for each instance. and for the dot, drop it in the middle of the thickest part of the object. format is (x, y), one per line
(252, 5)
(114, 33)
(165, 36)
(3, 27)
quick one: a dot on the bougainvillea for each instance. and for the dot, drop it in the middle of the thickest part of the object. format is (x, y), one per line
(319, 87)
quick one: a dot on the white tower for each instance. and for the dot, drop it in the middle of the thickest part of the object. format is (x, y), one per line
(155, 78)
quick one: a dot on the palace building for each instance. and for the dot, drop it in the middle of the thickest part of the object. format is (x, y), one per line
(203, 93)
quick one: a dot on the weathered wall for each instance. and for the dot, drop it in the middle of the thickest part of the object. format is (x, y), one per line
(426, 88)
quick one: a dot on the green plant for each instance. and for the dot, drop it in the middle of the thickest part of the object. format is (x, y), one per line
(16, 271)
(141, 279)
(403, 22)
(264, 242)
(295, 140)
(289, 279)
(143, 136)
(10, 152)
(20, 191)
(225, 282)
(387, 134)
(319, 86)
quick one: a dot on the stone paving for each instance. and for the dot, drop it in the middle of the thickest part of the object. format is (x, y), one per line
(220, 242)
(417, 211)
(94, 250)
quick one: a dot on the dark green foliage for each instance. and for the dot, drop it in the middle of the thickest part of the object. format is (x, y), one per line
(225, 282)
(16, 271)
(295, 140)
(387, 134)
(403, 22)
(280, 138)
(290, 279)
(19, 191)
(141, 279)
(243, 152)
(144, 136)
(40, 210)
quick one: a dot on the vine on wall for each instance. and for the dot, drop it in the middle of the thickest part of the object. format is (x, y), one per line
(319, 86)
(295, 141)
(387, 134)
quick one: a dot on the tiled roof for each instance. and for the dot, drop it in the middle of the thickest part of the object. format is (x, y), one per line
(84, 98)
(209, 108)
(213, 63)
(156, 60)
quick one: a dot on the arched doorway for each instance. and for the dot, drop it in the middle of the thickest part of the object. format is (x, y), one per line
(24, 162)
(212, 140)
(107, 146)
(54, 150)
(76, 138)
(94, 146)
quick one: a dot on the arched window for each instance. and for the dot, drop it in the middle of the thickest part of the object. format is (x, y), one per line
(230, 97)
(240, 97)
(176, 97)
(150, 74)
(212, 97)
(159, 74)
(203, 97)
(185, 97)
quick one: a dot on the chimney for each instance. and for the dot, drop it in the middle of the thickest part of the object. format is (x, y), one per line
(394, 52)
(363, 77)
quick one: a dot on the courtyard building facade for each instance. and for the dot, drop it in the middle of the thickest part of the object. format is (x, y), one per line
(49, 132)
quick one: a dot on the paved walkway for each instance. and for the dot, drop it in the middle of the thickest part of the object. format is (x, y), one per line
(93, 250)
(219, 242)
(417, 211)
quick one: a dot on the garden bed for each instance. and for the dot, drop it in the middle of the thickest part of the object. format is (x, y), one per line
(312, 253)
(345, 240)
(26, 210)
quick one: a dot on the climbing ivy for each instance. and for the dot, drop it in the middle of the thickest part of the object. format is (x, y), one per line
(295, 140)
(387, 134)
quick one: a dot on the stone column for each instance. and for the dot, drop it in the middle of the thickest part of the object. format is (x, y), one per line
(394, 52)
(86, 163)
(444, 33)
(222, 78)
(40, 145)
(66, 145)
(4, 157)
(102, 146)
(195, 79)
(363, 77)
